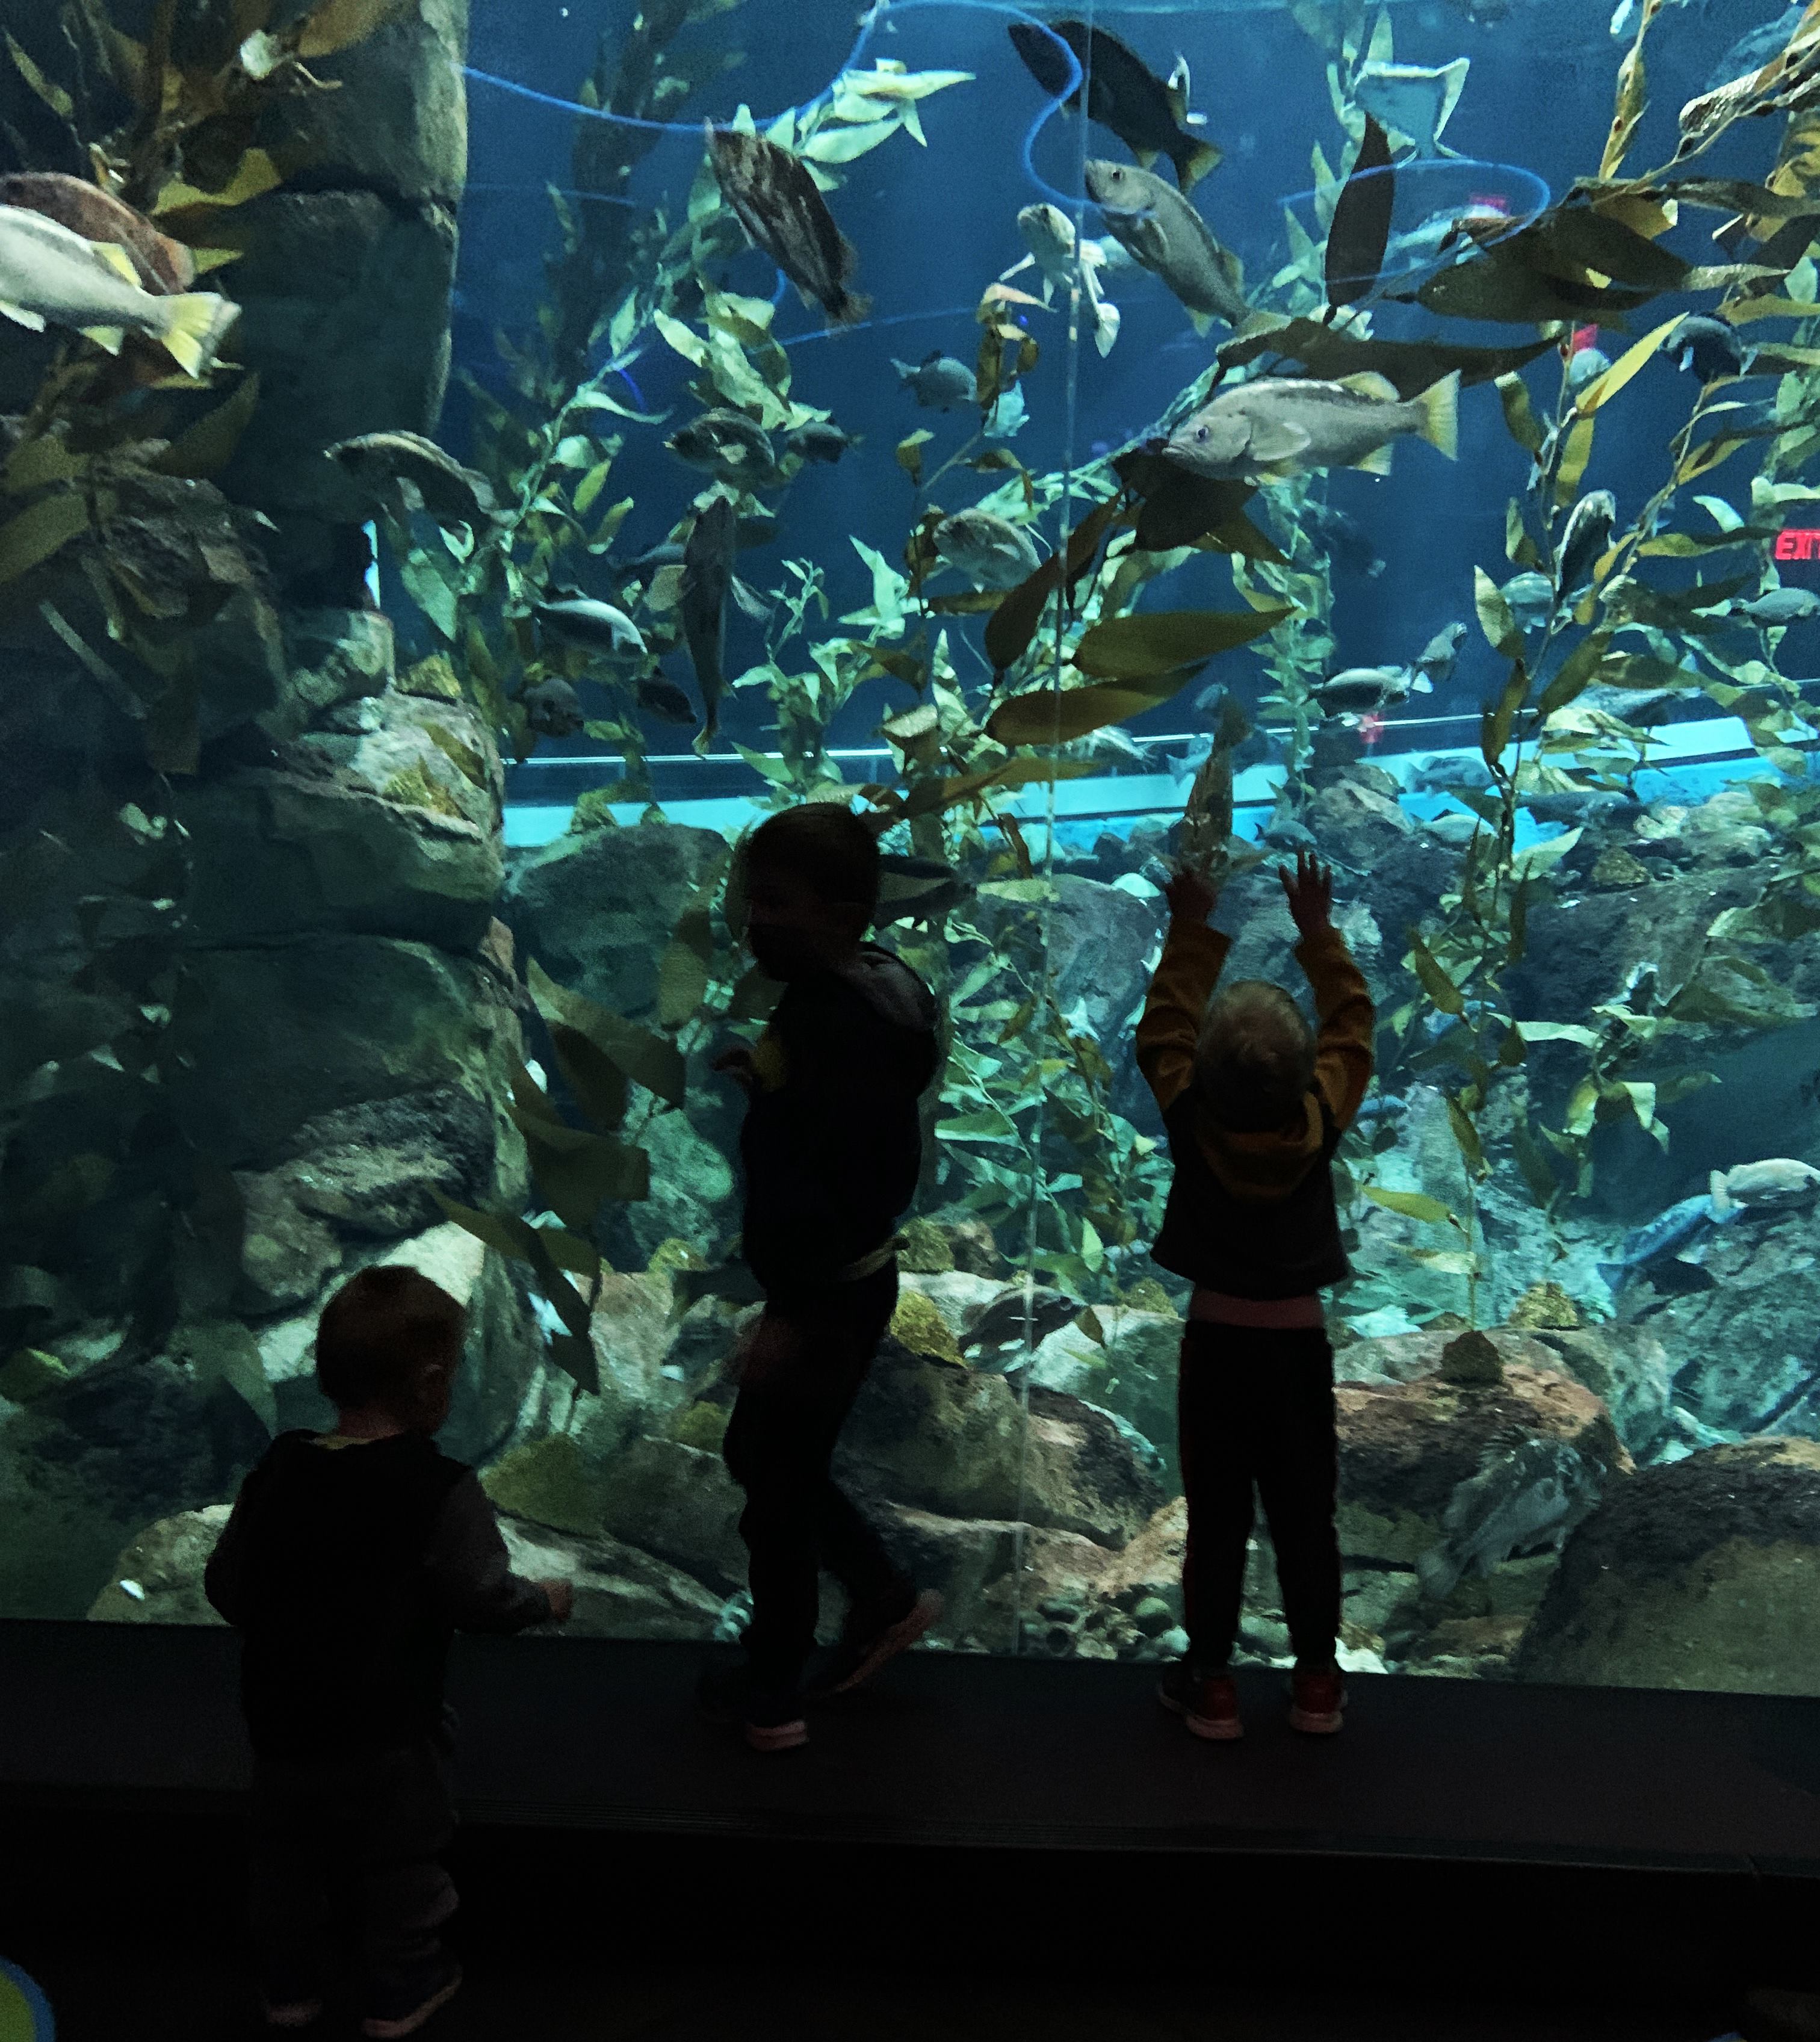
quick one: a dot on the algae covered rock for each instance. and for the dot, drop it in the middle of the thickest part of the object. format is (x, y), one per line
(678, 1502)
(157, 1577)
(917, 1325)
(1704, 1573)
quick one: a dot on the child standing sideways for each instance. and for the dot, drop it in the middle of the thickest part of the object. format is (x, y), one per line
(831, 1150)
(1255, 1103)
(349, 1557)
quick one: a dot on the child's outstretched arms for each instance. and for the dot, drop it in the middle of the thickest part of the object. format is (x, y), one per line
(1180, 989)
(1342, 1051)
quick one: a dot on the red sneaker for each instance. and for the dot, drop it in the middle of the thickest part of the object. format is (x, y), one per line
(1317, 1701)
(1207, 1703)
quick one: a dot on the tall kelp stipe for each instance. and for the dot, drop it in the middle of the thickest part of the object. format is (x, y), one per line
(1613, 636)
(119, 552)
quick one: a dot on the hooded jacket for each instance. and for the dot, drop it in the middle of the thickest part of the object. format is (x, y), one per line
(1253, 1214)
(832, 1146)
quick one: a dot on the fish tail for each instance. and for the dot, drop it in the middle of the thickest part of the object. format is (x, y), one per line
(1440, 425)
(194, 326)
(1720, 1198)
(1614, 1273)
(1193, 160)
(110, 339)
(1105, 327)
(851, 309)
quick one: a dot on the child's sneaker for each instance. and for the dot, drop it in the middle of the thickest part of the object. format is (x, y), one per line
(1317, 1701)
(401, 2005)
(866, 1644)
(1207, 1703)
(769, 1718)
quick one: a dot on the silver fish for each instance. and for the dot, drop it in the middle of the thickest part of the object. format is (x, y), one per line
(1776, 1182)
(938, 382)
(781, 207)
(991, 551)
(1161, 230)
(575, 619)
(51, 276)
(1364, 690)
(1282, 426)
(424, 475)
(1414, 100)
(1778, 608)
(1065, 259)
(707, 575)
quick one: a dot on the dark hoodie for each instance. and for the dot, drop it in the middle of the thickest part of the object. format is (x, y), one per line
(831, 1145)
(1252, 1215)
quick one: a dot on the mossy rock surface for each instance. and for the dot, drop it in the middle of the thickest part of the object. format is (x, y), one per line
(927, 1249)
(1703, 1573)
(550, 1482)
(917, 1323)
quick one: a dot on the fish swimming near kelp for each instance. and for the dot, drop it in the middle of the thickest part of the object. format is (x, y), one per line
(552, 709)
(820, 440)
(1531, 598)
(50, 275)
(707, 576)
(1000, 1337)
(1150, 116)
(990, 551)
(573, 618)
(938, 382)
(1163, 233)
(1588, 533)
(1370, 690)
(1066, 259)
(1281, 426)
(1436, 659)
(165, 267)
(1414, 100)
(729, 446)
(1778, 608)
(1776, 1184)
(1709, 349)
(782, 208)
(426, 476)
(665, 700)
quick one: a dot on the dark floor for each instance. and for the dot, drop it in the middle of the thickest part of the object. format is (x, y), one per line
(975, 1849)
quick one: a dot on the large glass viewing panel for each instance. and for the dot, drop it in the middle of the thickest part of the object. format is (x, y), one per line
(1384, 431)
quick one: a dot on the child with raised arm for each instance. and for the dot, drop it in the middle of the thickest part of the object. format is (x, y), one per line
(1254, 1103)
(350, 1557)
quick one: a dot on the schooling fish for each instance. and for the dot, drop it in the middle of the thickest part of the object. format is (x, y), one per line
(729, 446)
(50, 275)
(1063, 256)
(1709, 348)
(1415, 100)
(1776, 1182)
(164, 266)
(707, 575)
(585, 621)
(781, 207)
(1150, 117)
(991, 551)
(429, 477)
(1160, 230)
(938, 382)
(1282, 425)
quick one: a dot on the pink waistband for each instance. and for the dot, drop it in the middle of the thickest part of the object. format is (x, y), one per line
(1275, 1314)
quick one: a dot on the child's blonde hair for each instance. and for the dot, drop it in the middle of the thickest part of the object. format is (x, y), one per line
(1255, 1057)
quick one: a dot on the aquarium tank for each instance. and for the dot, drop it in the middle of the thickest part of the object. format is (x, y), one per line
(466, 462)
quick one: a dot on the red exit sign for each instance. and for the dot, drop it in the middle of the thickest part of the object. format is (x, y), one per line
(1798, 543)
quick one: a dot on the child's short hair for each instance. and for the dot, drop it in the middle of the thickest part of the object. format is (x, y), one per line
(381, 1332)
(827, 846)
(1255, 1058)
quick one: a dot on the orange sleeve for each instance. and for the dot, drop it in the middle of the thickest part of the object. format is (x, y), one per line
(1179, 989)
(1344, 1056)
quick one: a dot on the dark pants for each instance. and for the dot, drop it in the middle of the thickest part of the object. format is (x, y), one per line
(778, 1447)
(324, 1827)
(1256, 1407)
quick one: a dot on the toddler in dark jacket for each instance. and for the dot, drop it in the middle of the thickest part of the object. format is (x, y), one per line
(349, 1558)
(1254, 1103)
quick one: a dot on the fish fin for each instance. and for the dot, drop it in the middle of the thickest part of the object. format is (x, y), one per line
(1440, 426)
(112, 339)
(1421, 685)
(1722, 1202)
(934, 354)
(1614, 1273)
(116, 258)
(1377, 461)
(1368, 383)
(1146, 159)
(1257, 321)
(1275, 439)
(1200, 321)
(1195, 163)
(22, 317)
(1105, 328)
(195, 325)
(1017, 269)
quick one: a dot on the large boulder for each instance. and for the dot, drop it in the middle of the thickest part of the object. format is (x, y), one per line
(1098, 939)
(596, 909)
(1705, 1573)
(158, 1576)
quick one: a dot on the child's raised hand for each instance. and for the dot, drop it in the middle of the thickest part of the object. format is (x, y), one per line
(1191, 898)
(1309, 894)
